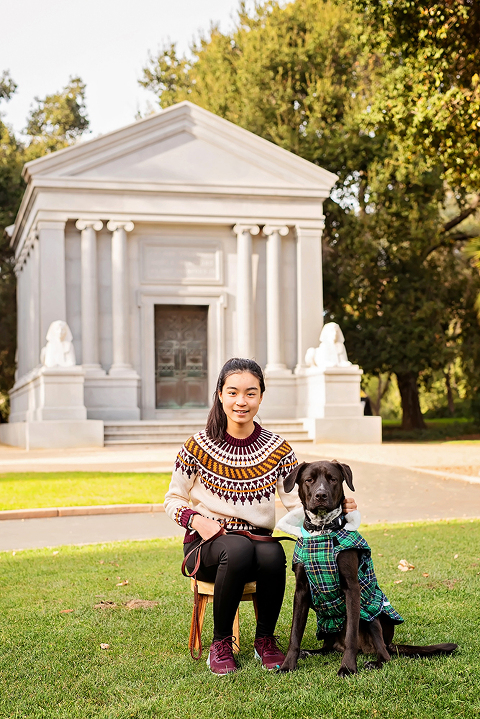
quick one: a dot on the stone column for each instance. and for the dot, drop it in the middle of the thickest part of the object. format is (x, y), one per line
(90, 353)
(120, 318)
(245, 344)
(309, 291)
(52, 285)
(275, 354)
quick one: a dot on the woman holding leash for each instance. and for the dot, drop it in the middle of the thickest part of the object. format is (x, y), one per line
(224, 480)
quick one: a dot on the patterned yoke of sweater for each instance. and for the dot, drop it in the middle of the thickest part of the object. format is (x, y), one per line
(318, 554)
(233, 481)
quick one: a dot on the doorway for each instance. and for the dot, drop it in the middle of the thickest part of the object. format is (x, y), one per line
(181, 356)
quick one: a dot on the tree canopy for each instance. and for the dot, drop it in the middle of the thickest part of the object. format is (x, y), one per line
(431, 93)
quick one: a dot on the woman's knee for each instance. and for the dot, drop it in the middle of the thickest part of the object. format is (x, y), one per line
(270, 557)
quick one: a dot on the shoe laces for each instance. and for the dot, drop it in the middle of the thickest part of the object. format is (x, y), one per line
(223, 648)
(270, 645)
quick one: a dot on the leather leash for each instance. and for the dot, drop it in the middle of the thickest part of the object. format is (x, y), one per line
(198, 558)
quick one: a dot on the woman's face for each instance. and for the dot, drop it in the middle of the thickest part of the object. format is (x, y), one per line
(241, 397)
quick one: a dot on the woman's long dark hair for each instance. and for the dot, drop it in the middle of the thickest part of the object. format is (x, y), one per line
(217, 419)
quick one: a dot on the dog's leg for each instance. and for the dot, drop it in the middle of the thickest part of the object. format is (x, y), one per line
(348, 568)
(301, 605)
(376, 632)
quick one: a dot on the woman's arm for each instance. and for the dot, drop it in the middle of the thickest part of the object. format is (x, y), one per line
(177, 499)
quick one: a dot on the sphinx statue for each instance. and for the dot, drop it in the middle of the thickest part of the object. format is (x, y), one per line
(331, 351)
(59, 350)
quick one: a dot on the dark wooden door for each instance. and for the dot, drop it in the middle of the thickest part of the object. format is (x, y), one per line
(181, 377)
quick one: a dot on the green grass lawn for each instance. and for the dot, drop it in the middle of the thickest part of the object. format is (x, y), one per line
(52, 666)
(438, 430)
(24, 490)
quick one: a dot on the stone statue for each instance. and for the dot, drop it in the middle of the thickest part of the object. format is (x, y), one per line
(59, 350)
(331, 352)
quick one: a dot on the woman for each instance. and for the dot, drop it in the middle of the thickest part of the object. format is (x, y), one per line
(226, 476)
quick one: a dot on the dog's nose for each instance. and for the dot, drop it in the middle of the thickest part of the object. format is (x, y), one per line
(321, 495)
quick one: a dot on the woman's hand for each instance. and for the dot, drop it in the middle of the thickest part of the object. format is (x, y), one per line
(206, 528)
(349, 505)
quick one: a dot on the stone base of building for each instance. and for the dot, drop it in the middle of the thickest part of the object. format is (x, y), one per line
(344, 430)
(112, 397)
(53, 434)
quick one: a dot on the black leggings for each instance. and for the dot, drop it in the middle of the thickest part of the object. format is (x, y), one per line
(231, 561)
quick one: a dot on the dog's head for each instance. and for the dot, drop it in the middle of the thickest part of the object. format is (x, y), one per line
(320, 485)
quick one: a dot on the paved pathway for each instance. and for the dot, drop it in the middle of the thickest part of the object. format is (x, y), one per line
(157, 458)
(387, 488)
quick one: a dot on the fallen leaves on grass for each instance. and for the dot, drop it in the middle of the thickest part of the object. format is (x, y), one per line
(140, 604)
(405, 566)
(398, 581)
(425, 574)
(455, 556)
(66, 611)
(122, 584)
(104, 646)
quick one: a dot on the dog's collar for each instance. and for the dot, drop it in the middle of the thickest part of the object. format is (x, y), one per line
(323, 525)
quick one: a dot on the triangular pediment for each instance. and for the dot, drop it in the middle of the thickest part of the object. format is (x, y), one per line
(183, 145)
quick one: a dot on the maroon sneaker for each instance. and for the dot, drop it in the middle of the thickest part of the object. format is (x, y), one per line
(220, 658)
(267, 650)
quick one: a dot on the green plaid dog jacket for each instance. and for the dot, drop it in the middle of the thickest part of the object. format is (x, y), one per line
(319, 557)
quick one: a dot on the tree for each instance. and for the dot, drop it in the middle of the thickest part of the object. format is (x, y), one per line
(307, 76)
(431, 93)
(402, 298)
(54, 123)
(10, 193)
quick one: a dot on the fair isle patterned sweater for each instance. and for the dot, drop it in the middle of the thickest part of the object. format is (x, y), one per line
(233, 481)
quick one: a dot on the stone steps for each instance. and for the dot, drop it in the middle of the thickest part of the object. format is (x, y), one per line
(177, 431)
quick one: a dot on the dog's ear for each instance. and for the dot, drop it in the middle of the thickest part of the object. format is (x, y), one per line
(293, 477)
(346, 474)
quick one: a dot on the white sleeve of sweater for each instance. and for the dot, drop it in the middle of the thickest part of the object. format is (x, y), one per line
(177, 498)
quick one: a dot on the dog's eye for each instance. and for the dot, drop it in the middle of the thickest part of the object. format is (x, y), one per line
(308, 480)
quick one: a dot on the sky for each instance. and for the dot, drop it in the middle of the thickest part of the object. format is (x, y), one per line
(105, 42)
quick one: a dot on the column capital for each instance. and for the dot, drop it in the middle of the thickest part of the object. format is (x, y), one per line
(94, 224)
(126, 225)
(282, 230)
(311, 231)
(240, 229)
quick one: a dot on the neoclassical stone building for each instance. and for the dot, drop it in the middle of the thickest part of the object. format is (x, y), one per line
(169, 246)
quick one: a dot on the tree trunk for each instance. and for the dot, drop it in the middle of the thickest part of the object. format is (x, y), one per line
(412, 415)
(451, 405)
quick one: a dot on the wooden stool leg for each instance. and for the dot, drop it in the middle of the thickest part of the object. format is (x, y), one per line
(202, 604)
(236, 633)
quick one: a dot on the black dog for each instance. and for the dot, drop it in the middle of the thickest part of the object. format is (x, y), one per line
(320, 488)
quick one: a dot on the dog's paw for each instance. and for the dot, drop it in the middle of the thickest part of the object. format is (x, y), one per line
(345, 672)
(285, 669)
